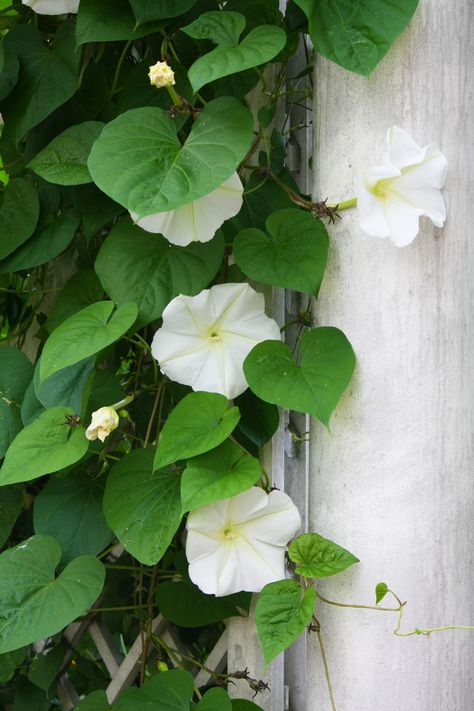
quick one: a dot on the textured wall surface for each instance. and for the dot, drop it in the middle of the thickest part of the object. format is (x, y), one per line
(393, 481)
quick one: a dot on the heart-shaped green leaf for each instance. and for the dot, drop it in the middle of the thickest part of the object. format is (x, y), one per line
(83, 289)
(46, 446)
(64, 160)
(142, 507)
(156, 173)
(84, 334)
(11, 501)
(215, 700)
(16, 372)
(318, 557)
(18, 215)
(356, 35)
(69, 508)
(292, 256)
(108, 21)
(34, 603)
(261, 45)
(219, 474)
(134, 265)
(282, 613)
(171, 691)
(198, 423)
(186, 606)
(315, 385)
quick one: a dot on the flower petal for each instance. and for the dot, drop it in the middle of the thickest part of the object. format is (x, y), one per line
(53, 7)
(403, 220)
(277, 523)
(430, 173)
(401, 150)
(372, 218)
(197, 221)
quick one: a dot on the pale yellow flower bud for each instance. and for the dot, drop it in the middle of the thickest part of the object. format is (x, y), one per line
(161, 75)
(103, 422)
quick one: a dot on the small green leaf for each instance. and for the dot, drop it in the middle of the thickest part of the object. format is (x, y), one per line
(66, 387)
(48, 77)
(215, 700)
(84, 334)
(69, 509)
(315, 385)
(145, 11)
(16, 372)
(198, 423)
(219, 474)
(244, 705)
(142, 507)
(46, 446)
(356, 35)
(145, 268)
(18, 215)
(45, 667)
(168, 691)
(47, 244)
(318, 557)
(282, 613)
(259, 46)
(183, 604)
(174, 175)
(64, 160)
(259, 420)
(97, 701)
(381, 589)
(109, 21)
(34, 604)
(11, 502)
(294, 256)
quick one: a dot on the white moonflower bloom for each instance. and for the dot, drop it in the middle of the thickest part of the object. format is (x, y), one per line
(205, 339)
(406, 185)
(103, 422)
(53, 7)
(239, 543)
(199, 220)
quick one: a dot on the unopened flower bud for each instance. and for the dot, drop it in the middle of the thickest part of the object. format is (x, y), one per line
(103, 422)
(161, 75)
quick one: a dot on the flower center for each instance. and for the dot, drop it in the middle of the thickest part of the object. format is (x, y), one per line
(229, 534)
(381, 188)
(214, 335)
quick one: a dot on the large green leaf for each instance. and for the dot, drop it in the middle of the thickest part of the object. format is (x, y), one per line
(138, 159)
(356, 35)
(45, 667)
(318, 557)
(85, 333)
(64, 160)
(16, 372)
(282, 613)
(142, 507)
(215, 700)
(168, 691)
(198, 423)
(11, 501)
(9, 71)
(186, 606)
(261, 45)
(83, 289)
(292, 254)
(47, 244)
(258, 419)
(34, 603)
(134, 265)
(219, 474)
(46, 446)
(244, 705)
(146, 11)
(18, 215)
(69, 508)
(48, 77)
(109, 21)
(97, 701)
(96, 209)
(315, 385)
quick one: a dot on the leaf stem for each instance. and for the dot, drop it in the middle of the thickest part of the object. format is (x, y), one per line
(358, 607)
(325, 663)
(119, 68)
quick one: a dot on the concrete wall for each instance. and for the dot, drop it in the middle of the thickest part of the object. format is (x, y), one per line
(393, 481)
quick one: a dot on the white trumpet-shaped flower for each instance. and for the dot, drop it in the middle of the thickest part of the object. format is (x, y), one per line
(199, 220)
(406, 185)
(239, 543)
(103, 422)
(53, 7)
(205, 339)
